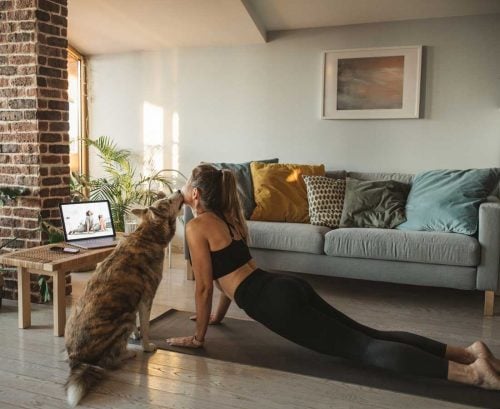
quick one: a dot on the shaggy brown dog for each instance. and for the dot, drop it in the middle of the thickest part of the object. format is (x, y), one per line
(122, 285)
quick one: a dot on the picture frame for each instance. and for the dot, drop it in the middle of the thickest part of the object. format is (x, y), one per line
(372, 83)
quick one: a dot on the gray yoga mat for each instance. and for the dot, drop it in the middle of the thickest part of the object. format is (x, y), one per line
(250, 343)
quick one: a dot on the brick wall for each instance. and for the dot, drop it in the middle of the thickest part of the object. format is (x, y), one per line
(34, 146)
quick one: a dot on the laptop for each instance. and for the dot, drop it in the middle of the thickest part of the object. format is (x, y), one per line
(88, 225)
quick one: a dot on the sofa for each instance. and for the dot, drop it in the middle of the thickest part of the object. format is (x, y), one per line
(398, 256)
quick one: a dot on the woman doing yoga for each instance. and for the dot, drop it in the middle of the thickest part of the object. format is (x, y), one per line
(290, 307)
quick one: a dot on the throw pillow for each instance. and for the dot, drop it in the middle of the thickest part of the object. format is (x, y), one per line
(244, 182)
(374, 203)
(326, 200)
(448, 200)
(280, 192)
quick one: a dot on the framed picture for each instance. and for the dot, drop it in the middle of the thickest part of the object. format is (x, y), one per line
(372, 83)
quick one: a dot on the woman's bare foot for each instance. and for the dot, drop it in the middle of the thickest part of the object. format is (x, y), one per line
(484, 375)
(480, 350)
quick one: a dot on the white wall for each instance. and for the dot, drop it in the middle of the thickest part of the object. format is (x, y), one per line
(261, 101)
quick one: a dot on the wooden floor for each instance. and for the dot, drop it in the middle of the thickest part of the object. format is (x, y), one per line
(32, 369)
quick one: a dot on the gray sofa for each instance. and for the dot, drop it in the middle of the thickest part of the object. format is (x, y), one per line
(409, 257)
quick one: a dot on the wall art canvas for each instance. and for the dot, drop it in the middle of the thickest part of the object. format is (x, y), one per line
(372, 83)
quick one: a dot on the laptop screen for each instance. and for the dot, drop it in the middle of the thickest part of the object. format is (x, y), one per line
(87, 220)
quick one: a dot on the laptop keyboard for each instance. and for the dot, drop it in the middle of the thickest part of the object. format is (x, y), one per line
(97, 242)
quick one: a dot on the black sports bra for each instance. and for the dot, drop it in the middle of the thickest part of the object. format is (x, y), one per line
(230, 258)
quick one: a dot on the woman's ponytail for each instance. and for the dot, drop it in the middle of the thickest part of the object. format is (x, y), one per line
(230, 203)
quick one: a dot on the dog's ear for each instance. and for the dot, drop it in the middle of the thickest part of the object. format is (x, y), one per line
(139, 211)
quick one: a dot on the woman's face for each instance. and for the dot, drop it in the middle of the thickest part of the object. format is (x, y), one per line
(187, 192)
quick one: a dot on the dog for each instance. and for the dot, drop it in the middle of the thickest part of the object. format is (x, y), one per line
(122, 286)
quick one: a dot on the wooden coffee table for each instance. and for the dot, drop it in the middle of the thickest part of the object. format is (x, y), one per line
(41, 260)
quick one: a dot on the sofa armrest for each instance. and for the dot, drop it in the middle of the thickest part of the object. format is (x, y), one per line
(188, 215)
(489, 238)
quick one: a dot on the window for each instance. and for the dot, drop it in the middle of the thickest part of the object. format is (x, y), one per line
(77, 98)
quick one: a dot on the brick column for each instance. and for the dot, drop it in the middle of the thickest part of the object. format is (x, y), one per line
(34, 145)
(33, 113)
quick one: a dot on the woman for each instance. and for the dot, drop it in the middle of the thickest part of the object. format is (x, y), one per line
(290, 307)
(89, 221)
(102, 223)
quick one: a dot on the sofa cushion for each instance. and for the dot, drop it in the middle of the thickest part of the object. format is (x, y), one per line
(280, 192)
(374, 203)
(415, 246)
(448, 200)
(326, 200)
(304, 238)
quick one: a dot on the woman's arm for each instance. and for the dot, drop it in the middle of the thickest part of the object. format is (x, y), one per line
(202, 268)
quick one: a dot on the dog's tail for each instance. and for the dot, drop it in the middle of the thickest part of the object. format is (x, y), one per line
(82, 377)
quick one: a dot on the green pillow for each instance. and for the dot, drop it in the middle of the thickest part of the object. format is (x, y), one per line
(244, 182)
(448, 200)
(374, 203)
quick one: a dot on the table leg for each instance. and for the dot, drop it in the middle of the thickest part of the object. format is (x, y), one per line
(23, 297)
(59, 303)
(489, 303)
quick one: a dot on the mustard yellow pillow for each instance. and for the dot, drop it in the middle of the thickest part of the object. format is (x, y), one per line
(280, 192)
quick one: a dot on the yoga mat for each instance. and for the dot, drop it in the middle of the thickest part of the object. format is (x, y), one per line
(250, 343)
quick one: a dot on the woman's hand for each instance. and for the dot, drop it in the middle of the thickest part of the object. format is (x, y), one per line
(212, 321)
(186, 342)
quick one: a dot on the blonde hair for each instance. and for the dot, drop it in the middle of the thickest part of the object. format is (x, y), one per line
(218, 193)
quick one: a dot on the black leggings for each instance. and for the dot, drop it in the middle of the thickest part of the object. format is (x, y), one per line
(290, 307)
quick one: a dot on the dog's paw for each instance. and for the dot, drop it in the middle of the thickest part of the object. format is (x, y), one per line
(135, 335)
(149, 347)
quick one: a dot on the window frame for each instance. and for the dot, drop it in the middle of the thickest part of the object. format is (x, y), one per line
(83, 150)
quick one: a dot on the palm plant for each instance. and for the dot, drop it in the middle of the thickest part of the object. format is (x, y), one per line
(122, 186)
